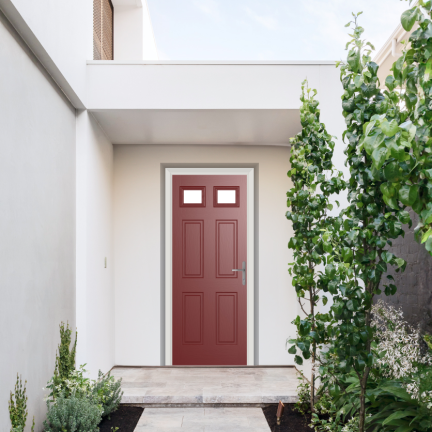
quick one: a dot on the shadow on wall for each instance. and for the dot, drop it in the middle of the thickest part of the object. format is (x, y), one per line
(414, 286)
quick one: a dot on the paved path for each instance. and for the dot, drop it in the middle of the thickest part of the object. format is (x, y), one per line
(146, 385)
(202, 420)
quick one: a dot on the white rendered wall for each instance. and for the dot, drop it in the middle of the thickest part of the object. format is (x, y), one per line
(37, 223)
(137, 245)
(133, 32)
(65, 30)
(95, 289)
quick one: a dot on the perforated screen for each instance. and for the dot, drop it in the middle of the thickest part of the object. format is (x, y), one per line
(103, 30)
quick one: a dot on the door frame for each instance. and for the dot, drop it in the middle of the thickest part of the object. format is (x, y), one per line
(249, 172)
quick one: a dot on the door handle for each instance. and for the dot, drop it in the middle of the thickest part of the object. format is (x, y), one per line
(243, 269)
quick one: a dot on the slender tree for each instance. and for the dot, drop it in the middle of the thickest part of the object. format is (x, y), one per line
(375, 127)
(309, 199)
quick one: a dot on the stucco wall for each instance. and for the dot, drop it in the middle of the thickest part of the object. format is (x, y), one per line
(137, 245)
(37, 222)
(95, 289)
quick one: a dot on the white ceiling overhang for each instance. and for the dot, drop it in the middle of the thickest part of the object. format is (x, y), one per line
(250, 103)
(237, 127)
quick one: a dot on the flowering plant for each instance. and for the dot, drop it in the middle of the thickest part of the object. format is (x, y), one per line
(404, 355)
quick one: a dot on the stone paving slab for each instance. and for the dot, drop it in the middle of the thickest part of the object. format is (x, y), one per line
(146, 385)
(202, 420)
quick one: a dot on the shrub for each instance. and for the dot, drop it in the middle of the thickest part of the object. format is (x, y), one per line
(76, 384)
(403, 355)
(65, 362)
(303, 391)
(18, 407)
(72, 414)
(108, 392)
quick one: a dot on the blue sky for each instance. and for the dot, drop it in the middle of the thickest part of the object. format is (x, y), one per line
(266, 29)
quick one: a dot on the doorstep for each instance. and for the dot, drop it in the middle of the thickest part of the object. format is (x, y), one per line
(207, 386)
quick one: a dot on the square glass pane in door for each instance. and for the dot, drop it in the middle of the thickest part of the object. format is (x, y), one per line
(226, 196)
(192, 196)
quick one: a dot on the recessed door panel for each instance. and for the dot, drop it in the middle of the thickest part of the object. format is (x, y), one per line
(192, 318)
(193, 248)
(209, 242)
(226, 244)
(226, 318)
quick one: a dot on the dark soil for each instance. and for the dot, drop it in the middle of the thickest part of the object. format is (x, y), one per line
(291, 420)
(125, 418)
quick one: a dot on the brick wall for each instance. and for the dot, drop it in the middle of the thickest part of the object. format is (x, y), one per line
(414, 292)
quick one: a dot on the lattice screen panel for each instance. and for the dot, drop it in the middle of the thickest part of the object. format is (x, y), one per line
(103, 30)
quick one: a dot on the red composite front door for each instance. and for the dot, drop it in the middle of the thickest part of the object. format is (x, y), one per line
(209, 241)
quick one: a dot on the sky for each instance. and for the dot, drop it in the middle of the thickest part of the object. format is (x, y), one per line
(266, 29)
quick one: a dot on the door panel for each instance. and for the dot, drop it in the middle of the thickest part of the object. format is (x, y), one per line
(209, 241)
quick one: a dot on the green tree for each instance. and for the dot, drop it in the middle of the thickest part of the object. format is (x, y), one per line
(353, 273)
(309, 199)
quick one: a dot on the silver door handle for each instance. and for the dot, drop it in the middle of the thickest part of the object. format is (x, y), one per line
(243, 269)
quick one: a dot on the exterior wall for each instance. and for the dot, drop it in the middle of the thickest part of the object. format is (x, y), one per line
(414, 294)
(133, 32)
(138, 238)
(65, 31)
(37, 222)
(95, 289)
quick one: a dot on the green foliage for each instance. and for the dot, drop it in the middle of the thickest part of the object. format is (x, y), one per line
(72, 414)
(373, 218)
(65, 363)
(326, 417)
(18, 407)
(108, 392)
(428, 339)
(314, 180)
(75, 384)
(407, 155)
(303, 392)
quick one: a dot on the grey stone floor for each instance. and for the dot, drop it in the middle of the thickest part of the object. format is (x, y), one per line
(204, 386)
(202, 420)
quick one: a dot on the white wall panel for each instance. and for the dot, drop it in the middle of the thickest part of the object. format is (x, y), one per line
(37, 223)
(95, 288)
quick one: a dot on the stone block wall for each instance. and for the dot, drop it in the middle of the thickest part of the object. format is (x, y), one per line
(414, 293)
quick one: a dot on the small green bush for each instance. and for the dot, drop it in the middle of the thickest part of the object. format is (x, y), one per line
(65, 361)
(18, 408)
(303, 391)
(108, 392)
(72, 414)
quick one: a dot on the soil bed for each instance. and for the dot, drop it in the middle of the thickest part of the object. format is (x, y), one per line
(291, 420)
(125, 418)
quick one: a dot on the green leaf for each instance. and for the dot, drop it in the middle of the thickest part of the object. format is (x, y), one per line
(389, 82)
(298, 360)
(404, 217)
(354, 60)
(408, 194)
(389, 128)
(373, 141)
(426, 235)
(354, 339)
(347, 255)
(379, 156)
(428, 245)
(392, 171)
(352, 305)
(292, 350)
(330, 271)
(408, 18)
(398, 415)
